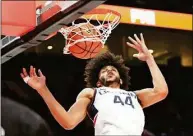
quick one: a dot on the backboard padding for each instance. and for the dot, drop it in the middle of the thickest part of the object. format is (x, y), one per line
(52, 24)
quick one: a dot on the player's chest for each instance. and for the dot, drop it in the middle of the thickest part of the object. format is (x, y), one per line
(119, 100)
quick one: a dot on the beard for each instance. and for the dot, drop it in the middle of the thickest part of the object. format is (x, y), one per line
(107, 82)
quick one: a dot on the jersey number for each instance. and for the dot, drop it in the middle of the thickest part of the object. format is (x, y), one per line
(127, 101)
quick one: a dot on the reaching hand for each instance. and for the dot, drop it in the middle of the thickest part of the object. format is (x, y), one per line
(139, 45)
(33, 80)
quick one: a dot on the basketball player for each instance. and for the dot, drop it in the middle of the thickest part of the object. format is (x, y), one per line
(113, 110)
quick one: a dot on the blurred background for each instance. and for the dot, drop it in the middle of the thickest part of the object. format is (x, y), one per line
(171, 41)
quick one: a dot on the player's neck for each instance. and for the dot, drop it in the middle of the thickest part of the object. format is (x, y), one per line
(114, 85)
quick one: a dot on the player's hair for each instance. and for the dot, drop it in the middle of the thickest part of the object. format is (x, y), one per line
(94, 66)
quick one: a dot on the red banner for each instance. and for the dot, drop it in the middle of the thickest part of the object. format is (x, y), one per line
(18, 17)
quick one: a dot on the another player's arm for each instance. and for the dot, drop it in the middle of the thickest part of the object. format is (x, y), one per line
(149, 96)
(67, 119)
(71, 118)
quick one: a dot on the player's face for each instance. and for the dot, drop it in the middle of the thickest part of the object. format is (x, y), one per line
(108, 75)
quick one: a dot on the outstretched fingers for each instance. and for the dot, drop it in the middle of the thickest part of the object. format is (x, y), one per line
(135, 44)
(137, 39)
(32, 71)
(132, 45)
(133, 41)
(40, 73)
(24, 74)
(141, 42)
(151, 51)
(142, 39)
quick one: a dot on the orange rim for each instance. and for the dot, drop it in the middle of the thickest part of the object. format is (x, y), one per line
(103, 11)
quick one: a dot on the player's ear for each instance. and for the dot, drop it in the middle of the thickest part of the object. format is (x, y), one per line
(121, 81)
(98, 84)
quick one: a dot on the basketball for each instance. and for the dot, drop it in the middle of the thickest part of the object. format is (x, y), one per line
(82, 47)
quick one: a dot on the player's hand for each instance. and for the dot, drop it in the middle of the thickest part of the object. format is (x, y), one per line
(37, 82)
(139, 44)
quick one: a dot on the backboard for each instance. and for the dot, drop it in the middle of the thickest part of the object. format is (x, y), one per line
(50, 17)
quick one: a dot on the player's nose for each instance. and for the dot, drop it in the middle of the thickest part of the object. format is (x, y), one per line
(109, 71)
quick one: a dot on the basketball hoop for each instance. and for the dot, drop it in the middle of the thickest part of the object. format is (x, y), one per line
(105, 21)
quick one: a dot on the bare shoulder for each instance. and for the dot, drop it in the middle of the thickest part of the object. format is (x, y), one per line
(86, 93)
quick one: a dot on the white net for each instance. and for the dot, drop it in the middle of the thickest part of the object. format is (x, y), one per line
(104, 23)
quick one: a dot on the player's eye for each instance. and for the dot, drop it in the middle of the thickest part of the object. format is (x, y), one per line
(102, 71)
(113, 69)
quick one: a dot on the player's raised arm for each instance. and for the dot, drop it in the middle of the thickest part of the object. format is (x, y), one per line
(149, 96)
(67, 119)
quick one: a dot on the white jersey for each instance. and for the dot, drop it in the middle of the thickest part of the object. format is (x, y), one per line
(116, 112)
